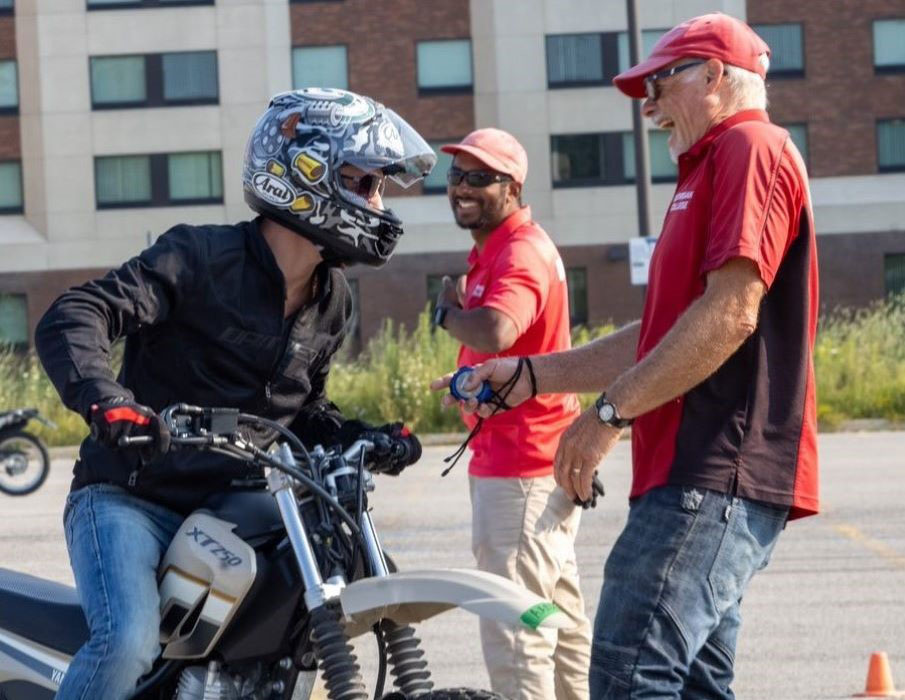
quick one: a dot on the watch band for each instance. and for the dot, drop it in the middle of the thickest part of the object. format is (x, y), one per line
(440, 316)
(615, 421)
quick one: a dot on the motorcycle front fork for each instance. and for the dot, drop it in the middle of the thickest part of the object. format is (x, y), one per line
(342, 675)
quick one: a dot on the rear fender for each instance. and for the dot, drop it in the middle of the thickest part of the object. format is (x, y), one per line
(414, 596)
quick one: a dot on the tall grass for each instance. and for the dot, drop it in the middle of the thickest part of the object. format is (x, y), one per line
(860, 364)
(859, 360)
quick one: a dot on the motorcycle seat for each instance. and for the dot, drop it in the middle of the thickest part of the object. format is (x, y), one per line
(42, 611)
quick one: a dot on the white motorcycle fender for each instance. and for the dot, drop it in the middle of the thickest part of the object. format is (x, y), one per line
(413, 596)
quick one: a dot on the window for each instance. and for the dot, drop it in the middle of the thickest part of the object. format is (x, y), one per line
(154, 80)
(889, 45)
(786, 49)
(320, 66)
(574, 60)
(158, 180)
(436, 181)
(799, 135)
(593, 160)
(891, 145)
(662, 169)
(577, 283)
(894, 273)
(578, 159)
(649, 37)
(444, 66)
(127, 4)
(190, 77)
(195, 177)
(10, 187)
(9, 87)
(13, 320)
(6, 7)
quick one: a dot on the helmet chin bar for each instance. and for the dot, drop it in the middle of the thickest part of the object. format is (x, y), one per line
(339, 248)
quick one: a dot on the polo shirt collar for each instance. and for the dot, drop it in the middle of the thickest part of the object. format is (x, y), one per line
(499, 236)
(703, 144)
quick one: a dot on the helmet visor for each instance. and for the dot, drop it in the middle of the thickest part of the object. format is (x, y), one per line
(393, 147)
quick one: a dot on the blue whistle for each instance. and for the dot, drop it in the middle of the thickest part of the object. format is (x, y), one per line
(483, 393)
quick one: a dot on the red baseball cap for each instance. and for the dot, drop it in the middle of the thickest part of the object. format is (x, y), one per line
(708, 36)
(495, 148)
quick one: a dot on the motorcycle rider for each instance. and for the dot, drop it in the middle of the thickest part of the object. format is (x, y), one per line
(246, 316)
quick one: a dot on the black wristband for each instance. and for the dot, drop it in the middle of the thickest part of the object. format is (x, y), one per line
(440, 316)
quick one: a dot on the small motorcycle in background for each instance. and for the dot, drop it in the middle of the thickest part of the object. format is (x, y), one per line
(24, 462)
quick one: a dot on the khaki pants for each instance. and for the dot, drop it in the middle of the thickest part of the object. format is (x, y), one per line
(524, 529)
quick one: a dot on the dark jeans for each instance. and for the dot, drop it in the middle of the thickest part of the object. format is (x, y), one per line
(669, 615)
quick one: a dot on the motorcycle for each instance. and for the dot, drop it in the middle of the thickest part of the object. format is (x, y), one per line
(24, 462)
(268, 583)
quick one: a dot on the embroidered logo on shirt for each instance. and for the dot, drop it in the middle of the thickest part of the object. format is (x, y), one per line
(478, 290)
(681, 200)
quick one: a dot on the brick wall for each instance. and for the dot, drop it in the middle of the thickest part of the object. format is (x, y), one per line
(839, 97)
(380, 39)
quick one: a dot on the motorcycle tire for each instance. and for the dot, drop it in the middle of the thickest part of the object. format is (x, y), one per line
(8, 445)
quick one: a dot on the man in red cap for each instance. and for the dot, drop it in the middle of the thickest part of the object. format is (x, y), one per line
(514, 302)
(717, 379)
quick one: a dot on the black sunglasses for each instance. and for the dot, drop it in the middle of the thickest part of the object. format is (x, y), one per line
(367, 185)
(650, 82)
(474, 178)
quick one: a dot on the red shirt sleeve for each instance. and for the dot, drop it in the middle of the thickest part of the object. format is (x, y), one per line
(519, 284)
(757, 199)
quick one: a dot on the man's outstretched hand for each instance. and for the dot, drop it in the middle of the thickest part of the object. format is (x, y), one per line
(498, 371)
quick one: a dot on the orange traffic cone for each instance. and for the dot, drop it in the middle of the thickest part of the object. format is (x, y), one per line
(879, 679)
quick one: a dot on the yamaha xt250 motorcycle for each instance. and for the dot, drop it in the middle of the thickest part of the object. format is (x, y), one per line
(268, 583)
(24, 464)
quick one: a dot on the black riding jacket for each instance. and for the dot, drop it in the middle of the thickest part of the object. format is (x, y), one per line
(202, 314)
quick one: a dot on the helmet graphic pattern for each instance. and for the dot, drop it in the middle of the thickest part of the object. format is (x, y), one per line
(292, 161)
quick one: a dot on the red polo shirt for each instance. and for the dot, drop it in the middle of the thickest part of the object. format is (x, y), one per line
(751, 426)
(519, 273)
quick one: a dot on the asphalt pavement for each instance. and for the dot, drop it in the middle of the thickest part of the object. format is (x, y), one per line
(833, 593)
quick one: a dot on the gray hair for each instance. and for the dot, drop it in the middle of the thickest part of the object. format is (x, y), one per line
(747, 90)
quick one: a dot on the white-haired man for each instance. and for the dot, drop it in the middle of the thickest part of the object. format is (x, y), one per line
(717, 378)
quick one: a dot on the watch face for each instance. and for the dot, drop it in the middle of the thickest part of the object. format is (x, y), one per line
(606, 412)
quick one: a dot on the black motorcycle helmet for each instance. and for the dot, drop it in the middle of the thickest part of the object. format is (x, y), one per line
(292, 163)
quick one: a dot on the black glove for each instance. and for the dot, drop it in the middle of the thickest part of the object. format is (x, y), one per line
(596, 490)
(395, 446)
(118, 418)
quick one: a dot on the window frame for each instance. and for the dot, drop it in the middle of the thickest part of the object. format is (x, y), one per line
(566, 84)
(446, 89)
(883, 70)
(882, 169)
(141, 4)
(160, 183)
(887, 256)
(293, 48)
(12, 211)
(154, 86)
(786, 73)
(12, 110)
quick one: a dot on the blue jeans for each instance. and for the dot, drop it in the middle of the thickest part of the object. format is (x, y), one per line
(115, 544)
(669, 615)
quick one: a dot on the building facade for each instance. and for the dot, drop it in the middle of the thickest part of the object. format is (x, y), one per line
(121, 118)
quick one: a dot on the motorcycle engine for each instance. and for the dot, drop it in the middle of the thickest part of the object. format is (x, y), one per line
(199, 683)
